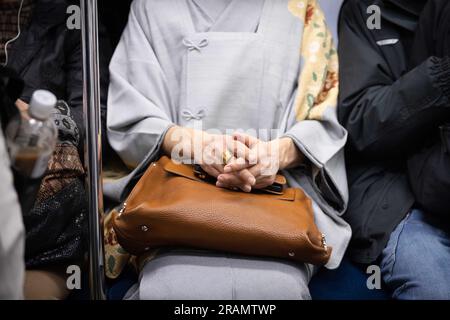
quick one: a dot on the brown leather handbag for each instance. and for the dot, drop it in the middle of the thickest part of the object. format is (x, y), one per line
(172, 206)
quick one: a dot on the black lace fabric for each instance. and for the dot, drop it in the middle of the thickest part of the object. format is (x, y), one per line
(56, 226)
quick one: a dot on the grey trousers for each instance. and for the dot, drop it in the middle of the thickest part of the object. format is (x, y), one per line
(205, 275)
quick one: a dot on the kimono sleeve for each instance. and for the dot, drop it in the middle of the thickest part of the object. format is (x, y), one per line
(138, 100)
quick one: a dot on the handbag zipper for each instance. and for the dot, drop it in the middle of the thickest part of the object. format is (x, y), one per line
(124, 205)
(122, 208)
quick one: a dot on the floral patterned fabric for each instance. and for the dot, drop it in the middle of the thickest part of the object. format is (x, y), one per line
(116, 258)
(318, 84)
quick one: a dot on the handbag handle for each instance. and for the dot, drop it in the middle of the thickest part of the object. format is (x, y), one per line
(276, 188)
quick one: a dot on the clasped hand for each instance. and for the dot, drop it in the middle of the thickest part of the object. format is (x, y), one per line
(239, 161)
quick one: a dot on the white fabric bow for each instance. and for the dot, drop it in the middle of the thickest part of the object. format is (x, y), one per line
(195, 46)
(188, 115)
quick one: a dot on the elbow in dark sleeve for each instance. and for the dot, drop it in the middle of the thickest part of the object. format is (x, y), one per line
(386, 112)
(429, 175)
(393, 119)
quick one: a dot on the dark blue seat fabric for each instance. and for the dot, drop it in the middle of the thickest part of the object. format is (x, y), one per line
(348, 282)
(115, 289)
(119, 287)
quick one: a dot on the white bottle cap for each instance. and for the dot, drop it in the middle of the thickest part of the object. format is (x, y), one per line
(42, 104)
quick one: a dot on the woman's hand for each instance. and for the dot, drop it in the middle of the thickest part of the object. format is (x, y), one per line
(208, 150)
(242, 179)
(264, 161)
(23, 107)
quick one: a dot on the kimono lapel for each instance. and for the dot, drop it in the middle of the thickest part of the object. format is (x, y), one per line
(240, 16)
(213, 10)
(182, 10)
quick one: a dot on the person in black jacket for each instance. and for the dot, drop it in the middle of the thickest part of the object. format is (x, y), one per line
(391, 104)
(47, 54)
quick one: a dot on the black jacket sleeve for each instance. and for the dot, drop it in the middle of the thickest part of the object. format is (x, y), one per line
(10, 88)
(74, 76)
(384, 114)
(429, 175)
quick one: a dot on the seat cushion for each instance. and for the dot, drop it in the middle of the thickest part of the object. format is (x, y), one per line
(348, 282)
(119, 287)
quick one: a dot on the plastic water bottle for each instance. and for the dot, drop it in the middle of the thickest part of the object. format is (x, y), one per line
(31, 138)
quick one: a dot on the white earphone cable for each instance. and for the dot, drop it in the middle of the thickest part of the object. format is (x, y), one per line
(19, 31)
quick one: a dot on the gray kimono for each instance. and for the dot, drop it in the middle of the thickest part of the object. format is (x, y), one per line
(267, 67)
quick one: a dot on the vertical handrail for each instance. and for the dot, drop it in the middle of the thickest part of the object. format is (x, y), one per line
(93, 155)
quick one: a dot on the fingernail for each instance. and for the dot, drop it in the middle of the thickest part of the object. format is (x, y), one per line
(252, 181)
(227, 169)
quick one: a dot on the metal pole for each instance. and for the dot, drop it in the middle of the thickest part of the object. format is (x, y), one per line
(93, 156)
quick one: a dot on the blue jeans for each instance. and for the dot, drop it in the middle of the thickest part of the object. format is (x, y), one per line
(416, 261)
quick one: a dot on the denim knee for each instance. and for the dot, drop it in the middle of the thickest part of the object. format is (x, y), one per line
(415, 260)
